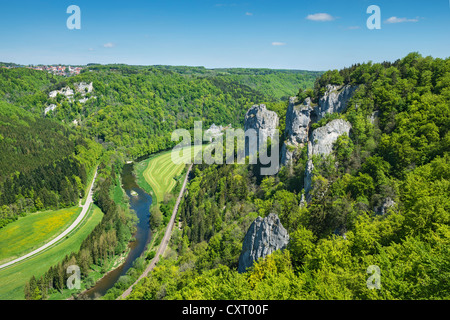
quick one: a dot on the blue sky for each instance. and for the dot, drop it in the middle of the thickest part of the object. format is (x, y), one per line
(223, 33)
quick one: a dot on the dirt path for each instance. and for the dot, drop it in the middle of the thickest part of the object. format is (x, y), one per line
(165, 241)
(75, 224)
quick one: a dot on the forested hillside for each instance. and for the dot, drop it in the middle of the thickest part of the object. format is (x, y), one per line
(43, 164)
(398, 149)
(26, 88)
(276, 84)
(132, 110)
(135, 109)
(53, 134)
(397, 152)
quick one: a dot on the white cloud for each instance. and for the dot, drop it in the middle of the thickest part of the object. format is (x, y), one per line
(278, 43)
(248, 14)
(109, 45)
(400, 20)
(320, 17)
(91, 49)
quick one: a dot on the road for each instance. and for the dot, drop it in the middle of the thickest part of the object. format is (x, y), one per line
(80, 218)
(164, 242)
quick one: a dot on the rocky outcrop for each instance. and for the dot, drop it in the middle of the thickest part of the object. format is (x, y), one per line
(323, 138)
(83, 88)
(50, 108)
(307, 184)
(66, 91)
(374, 117)
(384, 206)
(334, 100)
(321, 143)
(263, 237)
(263, 121)
(298, 119)
(215, 131)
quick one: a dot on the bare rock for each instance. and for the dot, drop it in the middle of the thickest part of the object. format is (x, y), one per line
(384, 206)
(298, 119)
(263, 121)
(335, 100)
(263, 237)
(321, 143)
(323, 138)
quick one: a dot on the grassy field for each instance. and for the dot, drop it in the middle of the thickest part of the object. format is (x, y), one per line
(13, 278)
(34, 230)
(160, 171)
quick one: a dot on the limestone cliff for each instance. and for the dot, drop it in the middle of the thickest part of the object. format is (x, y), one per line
(299, 117)
(321, 143)
(263, 237)
(263, 121)
(334, 100)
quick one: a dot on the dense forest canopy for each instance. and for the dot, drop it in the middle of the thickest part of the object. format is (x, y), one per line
(43, 164)
(131, 109)
(136, 108)
(51, 143)
(397, 152)
(398, 149)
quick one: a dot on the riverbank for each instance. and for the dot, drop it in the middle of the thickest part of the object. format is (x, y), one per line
(138, 189)
(165, 241)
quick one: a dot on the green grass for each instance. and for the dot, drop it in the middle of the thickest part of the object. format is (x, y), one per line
(34, 230)
(160, 171)
(13, 278)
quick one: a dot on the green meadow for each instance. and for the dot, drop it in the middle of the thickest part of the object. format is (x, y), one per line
(13, 278)
(34, 230)
(160, 171)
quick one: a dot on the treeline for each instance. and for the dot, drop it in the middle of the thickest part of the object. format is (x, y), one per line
(28, 142)
(57, 185)
(137, 108)
(44, 165)
(276, 84)
(108, 239)
(26, 88)
(381, 198)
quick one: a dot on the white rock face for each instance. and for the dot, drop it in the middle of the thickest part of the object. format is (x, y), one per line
(263, 237)
(263, 121)
(321, 143)
(84, 87)
(323, 138)
(335, 100)
(308, 176)
(50, 108)
(298, 119)
(66, 91)
(385, 206)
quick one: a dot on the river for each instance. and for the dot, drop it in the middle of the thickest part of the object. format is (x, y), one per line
(140, 203)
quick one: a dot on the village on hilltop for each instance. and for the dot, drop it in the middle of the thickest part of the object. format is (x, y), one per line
(60, 70)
